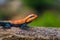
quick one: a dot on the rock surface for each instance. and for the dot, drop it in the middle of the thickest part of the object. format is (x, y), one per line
(36, 33)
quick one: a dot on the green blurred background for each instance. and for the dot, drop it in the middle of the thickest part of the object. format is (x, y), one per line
(48, 12)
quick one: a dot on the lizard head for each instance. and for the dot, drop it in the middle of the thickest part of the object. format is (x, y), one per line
(30, 17)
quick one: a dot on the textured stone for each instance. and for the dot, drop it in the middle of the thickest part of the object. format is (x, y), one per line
(36, 33)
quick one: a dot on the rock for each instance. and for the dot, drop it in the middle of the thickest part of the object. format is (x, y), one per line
(35, 33)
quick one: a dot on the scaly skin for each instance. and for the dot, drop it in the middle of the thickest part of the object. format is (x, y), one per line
(22, 23)
(28, 19)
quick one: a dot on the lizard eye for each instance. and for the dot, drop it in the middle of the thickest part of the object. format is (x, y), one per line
(31, 16)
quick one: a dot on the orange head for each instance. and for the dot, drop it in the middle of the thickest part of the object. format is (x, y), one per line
(30, 17)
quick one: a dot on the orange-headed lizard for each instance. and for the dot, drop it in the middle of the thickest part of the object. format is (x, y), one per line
(22, 23)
